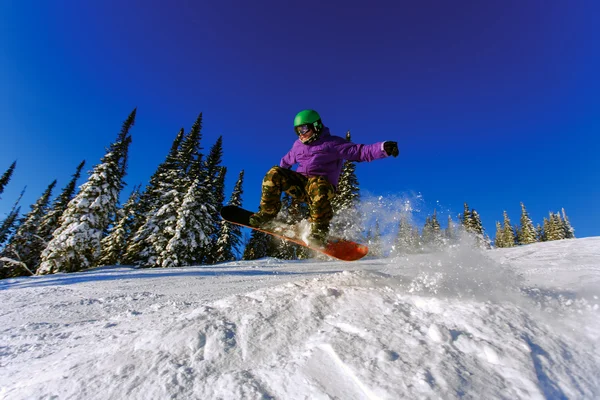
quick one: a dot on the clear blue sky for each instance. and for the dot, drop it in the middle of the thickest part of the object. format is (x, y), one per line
(492, 103)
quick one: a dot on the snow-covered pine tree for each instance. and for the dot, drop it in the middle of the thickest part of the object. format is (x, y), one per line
(9, 224)
(219, 192)
(508, 234)
(186, 180)
(138, 249)
(114, 244)
(22, 248)
(477, 226)
(539, 233)
(498, 241)
(467, 220)
(517, 231)
(527, 234)
(75, 245)
(553, 227)
(404, 241)
(51, 221)
(436, 231)
(567, 228)
(543, 232)
(450, 231)
(213, 182)
(5, 178)
(427, 232)
(189, 239)
(213, 172)
(345, 203)
(375, 242)
(190, 150)
(230, 235)
(483, 240)
(558, 226)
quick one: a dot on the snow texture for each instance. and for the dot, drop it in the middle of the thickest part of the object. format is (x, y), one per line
(518, 323)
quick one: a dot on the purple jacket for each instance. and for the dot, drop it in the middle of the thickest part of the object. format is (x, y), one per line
(325, 156)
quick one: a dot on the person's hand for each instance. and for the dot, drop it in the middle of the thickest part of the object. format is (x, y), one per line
(391, 148)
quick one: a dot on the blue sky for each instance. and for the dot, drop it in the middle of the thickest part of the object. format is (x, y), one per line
(492, 103)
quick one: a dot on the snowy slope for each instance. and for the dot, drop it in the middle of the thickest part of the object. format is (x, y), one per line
(517, 323)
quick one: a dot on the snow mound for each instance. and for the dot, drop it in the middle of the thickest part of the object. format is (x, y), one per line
(349, 335)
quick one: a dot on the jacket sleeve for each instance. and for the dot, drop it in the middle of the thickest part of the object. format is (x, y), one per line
(361, 152)
(288, 160)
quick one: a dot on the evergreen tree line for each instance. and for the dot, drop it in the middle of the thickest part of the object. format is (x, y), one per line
(555, 227)
(410, 240)
(174, 221)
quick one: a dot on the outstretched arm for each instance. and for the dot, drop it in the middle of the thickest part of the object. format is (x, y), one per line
(367, 152)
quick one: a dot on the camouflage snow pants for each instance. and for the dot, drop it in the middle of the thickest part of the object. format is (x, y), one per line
(315, 191)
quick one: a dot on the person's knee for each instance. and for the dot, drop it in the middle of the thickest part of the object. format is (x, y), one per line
(272, 176)
(320, 190)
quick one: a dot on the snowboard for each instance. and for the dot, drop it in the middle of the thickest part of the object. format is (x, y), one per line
(341, 249)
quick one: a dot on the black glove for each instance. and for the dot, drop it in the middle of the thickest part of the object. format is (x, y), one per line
(391, 148)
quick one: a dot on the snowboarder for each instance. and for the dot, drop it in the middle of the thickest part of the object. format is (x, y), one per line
(320, 157)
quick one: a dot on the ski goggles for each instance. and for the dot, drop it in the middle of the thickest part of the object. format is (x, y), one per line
(303, 129)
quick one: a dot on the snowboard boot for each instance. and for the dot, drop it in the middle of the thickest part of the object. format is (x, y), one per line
(261, 219)
(318, 235)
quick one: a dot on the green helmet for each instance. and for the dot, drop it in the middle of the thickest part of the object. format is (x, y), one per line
(308, 119)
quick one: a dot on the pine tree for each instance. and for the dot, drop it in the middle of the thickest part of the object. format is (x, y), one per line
(150, 195)
(569, 232)
(114, 244)
(230, 235)
(172, 182)
(436, 231)
(527, 232)
(404, 241)
(374, 241)
(190, 150)
(558, 226)
(213, 195)
(76, 243)
(466, 220)
(483, 240)
(553, 227)
(476, 225)
(508, 234)
(417, 243)
(543, 231)
(139, 250)
(8, 226)
(498, 241)
(450, 231)
(518, 234)
(189, 237)
(51, 221)
(5, 178)
(427, 232)
(22, 248)
(539, 233)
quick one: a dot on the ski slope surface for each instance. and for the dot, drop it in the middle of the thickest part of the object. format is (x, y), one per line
(520, 323)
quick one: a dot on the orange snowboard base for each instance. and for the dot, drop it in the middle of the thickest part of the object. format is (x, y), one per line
(345, 250)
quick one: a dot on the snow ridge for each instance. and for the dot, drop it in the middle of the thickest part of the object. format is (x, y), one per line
(450, 325)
